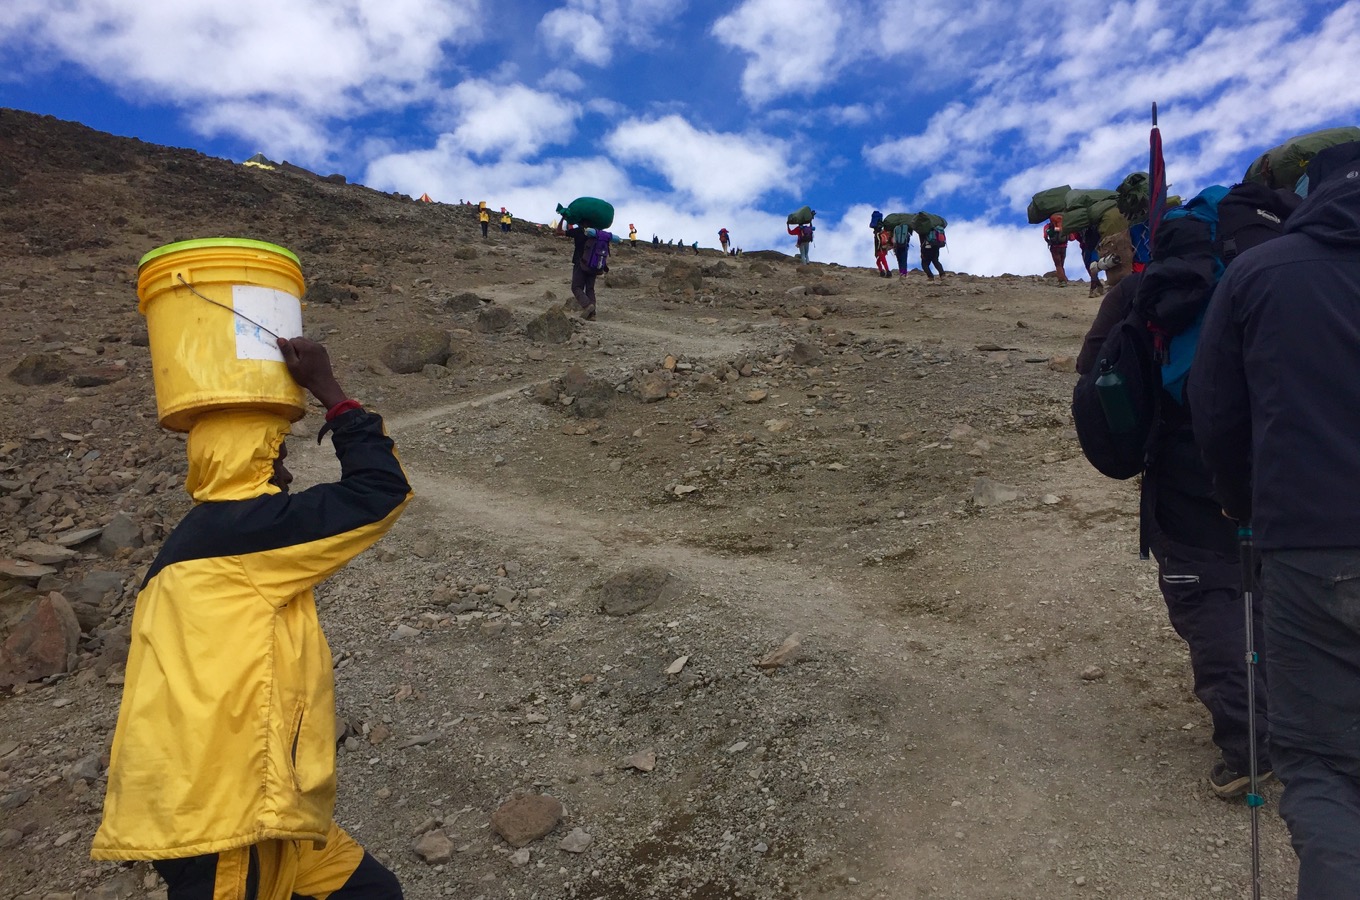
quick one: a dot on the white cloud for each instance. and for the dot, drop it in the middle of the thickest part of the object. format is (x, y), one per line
(714, 169)
(790, 47)
(508, 120)
(270, 61)
(590, 30)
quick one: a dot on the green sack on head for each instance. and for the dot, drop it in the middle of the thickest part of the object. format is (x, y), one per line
(1283, 166)
(590, 212)
(1046, 203)
(1133, 194)
(1084, 197)
(802, 216)
(923, 223)
(892, 220)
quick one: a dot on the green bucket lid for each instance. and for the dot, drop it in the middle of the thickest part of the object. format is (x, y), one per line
(203, 243)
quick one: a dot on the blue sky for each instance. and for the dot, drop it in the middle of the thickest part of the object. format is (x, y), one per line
(690, 116)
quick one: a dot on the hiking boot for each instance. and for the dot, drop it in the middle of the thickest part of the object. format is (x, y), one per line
(1229, 785)
(589, 313)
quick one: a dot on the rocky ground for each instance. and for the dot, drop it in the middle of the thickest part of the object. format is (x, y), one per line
(773, 582)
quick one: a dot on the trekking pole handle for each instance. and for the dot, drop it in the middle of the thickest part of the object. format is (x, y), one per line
(1247, 556)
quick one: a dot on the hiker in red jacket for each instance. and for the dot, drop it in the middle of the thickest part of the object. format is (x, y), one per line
(804, 235)
(722, 236)
(1057, 239)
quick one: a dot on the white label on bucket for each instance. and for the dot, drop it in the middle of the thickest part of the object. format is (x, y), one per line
(265, 308)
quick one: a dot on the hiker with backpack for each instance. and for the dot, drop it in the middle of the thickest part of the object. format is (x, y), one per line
(931, 242)
(1276, 404)
(484, 218)
(901, 243)
(589, 258)
(1132, 418)
(804, 235)
(883, 243)
(1057, 240)
(1088, 240)
(723, 238)
(506, 219)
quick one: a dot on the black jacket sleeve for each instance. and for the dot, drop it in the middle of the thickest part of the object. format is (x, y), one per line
(1219, 404)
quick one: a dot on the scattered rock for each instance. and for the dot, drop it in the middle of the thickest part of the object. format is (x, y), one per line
(98, 588)
(1062, 364)
(654, 386)
(756, 396)
(413, 351)
(122, 533)
(576, 842)
(41, 643)
(1092, 673)
(643, 761)
(44, 554)
(804, 354)
(678, 666)
(76, 538)
(461, 303)
(23, 570)
(784, 654)
(525, 819)
(633, 590)
(434, 847)
(325, 292)
(494, 319)
(38, 369)
(97, 376)
(989, 493)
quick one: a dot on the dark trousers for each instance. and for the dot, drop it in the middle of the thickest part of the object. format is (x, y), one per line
(485, 226)
(901, 254)
(1059, 254)
(1312, 619)
(1203, 593)
(583, 287)
(198, 878)
(930, 256)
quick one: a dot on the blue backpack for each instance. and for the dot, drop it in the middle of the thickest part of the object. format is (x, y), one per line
(902, 235)
(876, 220)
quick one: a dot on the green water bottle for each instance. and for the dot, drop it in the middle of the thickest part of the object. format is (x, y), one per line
(1114, 399)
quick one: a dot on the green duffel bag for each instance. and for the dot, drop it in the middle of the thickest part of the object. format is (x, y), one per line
(802, 216)
(1046, 203)
(923, 223)
(590, 212)
(892, 220)
(1283, 166)
(1078, 219)
(1113, 221)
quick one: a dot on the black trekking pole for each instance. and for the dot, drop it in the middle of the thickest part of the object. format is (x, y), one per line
(1254, 799)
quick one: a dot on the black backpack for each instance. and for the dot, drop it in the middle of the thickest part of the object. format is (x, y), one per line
(1145, 360)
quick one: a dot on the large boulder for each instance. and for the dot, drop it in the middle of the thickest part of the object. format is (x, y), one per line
(413, 351)
(494, 319)
(39, 368)
(554, 326)
(42, 642)
(633, 590)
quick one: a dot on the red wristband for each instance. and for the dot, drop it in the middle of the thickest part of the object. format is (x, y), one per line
(342, 407)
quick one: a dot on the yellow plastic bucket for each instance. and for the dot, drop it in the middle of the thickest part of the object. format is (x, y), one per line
(210, 307)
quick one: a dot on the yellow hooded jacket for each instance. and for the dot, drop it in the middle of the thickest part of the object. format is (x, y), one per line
(226, 733)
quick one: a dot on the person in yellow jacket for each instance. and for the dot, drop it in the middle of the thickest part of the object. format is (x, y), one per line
(632, 234)
(506, 219)
(485, 218)
(222, 771)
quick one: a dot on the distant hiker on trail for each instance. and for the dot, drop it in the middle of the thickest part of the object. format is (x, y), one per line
(506, 219)
(804, 235)
(484, 217)
(656, 241)
(722, 237)
(1057, 239)
(695, 245)
(931, 243)
(222, 770)
(901, 243)
(589, 258)
(632, 233)
(1089, 240)
(882, 244)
